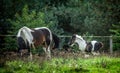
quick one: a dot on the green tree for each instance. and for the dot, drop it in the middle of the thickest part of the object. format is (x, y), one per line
(116, 33)
(30, 19)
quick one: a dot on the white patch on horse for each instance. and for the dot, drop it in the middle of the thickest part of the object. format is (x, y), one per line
(25, 33)
(93, 44)
(81, 42)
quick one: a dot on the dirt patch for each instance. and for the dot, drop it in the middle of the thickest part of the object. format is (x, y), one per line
(8, 56)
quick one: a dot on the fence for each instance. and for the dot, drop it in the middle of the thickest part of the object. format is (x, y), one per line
(108, 41)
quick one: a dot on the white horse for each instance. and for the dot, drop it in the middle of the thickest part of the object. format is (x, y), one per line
(92, 46)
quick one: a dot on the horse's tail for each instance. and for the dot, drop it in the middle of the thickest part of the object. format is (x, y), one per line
(56, 41)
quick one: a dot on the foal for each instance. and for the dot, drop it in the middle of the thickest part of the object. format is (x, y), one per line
(93, 46)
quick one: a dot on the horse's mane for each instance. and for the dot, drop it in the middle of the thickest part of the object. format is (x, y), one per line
(79, 37)
(25, 32)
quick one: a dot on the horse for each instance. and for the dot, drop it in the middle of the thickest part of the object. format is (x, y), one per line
(92, 46)
(31, 38)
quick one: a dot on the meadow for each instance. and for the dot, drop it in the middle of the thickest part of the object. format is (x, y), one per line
(96, 64)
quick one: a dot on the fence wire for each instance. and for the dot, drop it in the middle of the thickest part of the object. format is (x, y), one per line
(108, 41)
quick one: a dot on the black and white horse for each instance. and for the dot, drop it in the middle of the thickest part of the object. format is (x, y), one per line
(30, 38)
(92, 46)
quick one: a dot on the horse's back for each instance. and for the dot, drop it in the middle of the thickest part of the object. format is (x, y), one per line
(50, 36)
(46, 31)
(39, 37)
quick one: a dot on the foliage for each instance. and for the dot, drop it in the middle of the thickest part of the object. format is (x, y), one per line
(116, 33)
(61, 65)
(115, 30)
(31, 19)
(61, 16)
(22, 67)
(84, 16)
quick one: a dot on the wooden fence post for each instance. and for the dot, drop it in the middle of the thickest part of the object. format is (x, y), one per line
(111, 45)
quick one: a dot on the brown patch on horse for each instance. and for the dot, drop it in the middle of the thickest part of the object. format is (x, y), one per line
(88, 47)
(38, 38)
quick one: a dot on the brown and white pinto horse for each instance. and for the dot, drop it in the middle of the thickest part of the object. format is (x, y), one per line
(92, 46)
(30, 38)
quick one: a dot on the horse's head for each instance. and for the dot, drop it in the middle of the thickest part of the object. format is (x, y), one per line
(22, 45)
(24, 38)
(72, 40)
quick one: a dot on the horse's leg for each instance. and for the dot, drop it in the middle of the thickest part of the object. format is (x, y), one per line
(47, 49)
(33, 46)
(20, 52)
(30, 54)
(49, 52)
(29, 50)
(98, 53)
(95, 53)
(44, 49)
(85, 55)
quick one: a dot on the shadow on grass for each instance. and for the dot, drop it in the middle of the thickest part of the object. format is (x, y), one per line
(77, 70)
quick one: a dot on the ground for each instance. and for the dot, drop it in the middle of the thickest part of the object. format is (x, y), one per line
(61, 61)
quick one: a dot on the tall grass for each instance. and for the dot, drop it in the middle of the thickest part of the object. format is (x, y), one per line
(61, 65)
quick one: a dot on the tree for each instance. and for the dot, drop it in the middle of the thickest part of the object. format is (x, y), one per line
(30, 19)
(116, 33)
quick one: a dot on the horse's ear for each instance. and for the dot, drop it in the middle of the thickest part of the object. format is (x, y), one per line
(74, 34)
(101, 44)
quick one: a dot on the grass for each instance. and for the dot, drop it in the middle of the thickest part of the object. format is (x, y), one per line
(61, 65)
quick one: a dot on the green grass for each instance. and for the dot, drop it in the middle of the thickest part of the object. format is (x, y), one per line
(61, 65)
